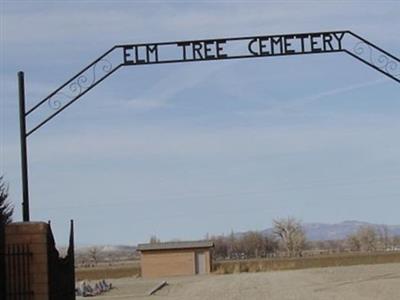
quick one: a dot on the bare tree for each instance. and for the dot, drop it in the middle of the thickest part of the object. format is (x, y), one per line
(252, 244)
(6, 209)
(154, 239)
(291, 235)
(396, 242)
(353, 242)
(368, 238)
(384, 237)
(255, 244)
(232, 245)
(270, 245)
(365, 239)
(93, 254)
(220, 250)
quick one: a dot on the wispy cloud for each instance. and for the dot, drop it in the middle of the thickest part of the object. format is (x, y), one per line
(105, 144)
(210, 151)
(333, 92)
(163, 92)
(296, 103)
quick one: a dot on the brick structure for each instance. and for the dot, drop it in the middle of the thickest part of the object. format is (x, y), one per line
(33, 267)
(175, 258)
(32, 236)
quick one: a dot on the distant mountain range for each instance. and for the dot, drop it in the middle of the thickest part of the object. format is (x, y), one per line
(338, 231)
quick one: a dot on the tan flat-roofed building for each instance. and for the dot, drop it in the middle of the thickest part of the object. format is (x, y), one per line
(175, 258)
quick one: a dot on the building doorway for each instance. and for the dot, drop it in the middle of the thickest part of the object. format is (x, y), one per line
(200, 261)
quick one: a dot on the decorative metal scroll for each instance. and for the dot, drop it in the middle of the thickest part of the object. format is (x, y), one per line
(375, 57)
(81, 83)
(383, 62)
(216, 49)
(77, 86)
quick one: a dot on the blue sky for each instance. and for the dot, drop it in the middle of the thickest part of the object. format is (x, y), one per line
(188, 149)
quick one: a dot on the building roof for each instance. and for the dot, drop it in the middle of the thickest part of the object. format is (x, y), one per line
(175, 245)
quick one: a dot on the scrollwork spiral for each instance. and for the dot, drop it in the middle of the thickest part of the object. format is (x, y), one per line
(80, 84)
(55, 102)
(381, 61)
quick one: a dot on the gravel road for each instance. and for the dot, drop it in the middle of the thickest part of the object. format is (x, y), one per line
(356, 282)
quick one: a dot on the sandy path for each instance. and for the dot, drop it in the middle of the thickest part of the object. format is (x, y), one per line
(356, 282)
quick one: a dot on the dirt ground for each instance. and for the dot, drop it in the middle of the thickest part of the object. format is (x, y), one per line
(355, 282)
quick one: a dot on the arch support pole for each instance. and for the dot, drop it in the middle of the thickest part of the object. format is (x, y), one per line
(24, 156)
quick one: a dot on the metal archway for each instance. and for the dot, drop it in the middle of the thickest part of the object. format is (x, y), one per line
(193, 51)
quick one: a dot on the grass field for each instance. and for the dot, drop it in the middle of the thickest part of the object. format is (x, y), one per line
(102, 271)
(132, 268)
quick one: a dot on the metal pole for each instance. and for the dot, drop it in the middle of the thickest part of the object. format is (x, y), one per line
(71, 254)
(24, 158)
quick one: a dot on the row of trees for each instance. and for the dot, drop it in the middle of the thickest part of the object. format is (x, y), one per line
(288, 239)
(247, 245)
(369, 238)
